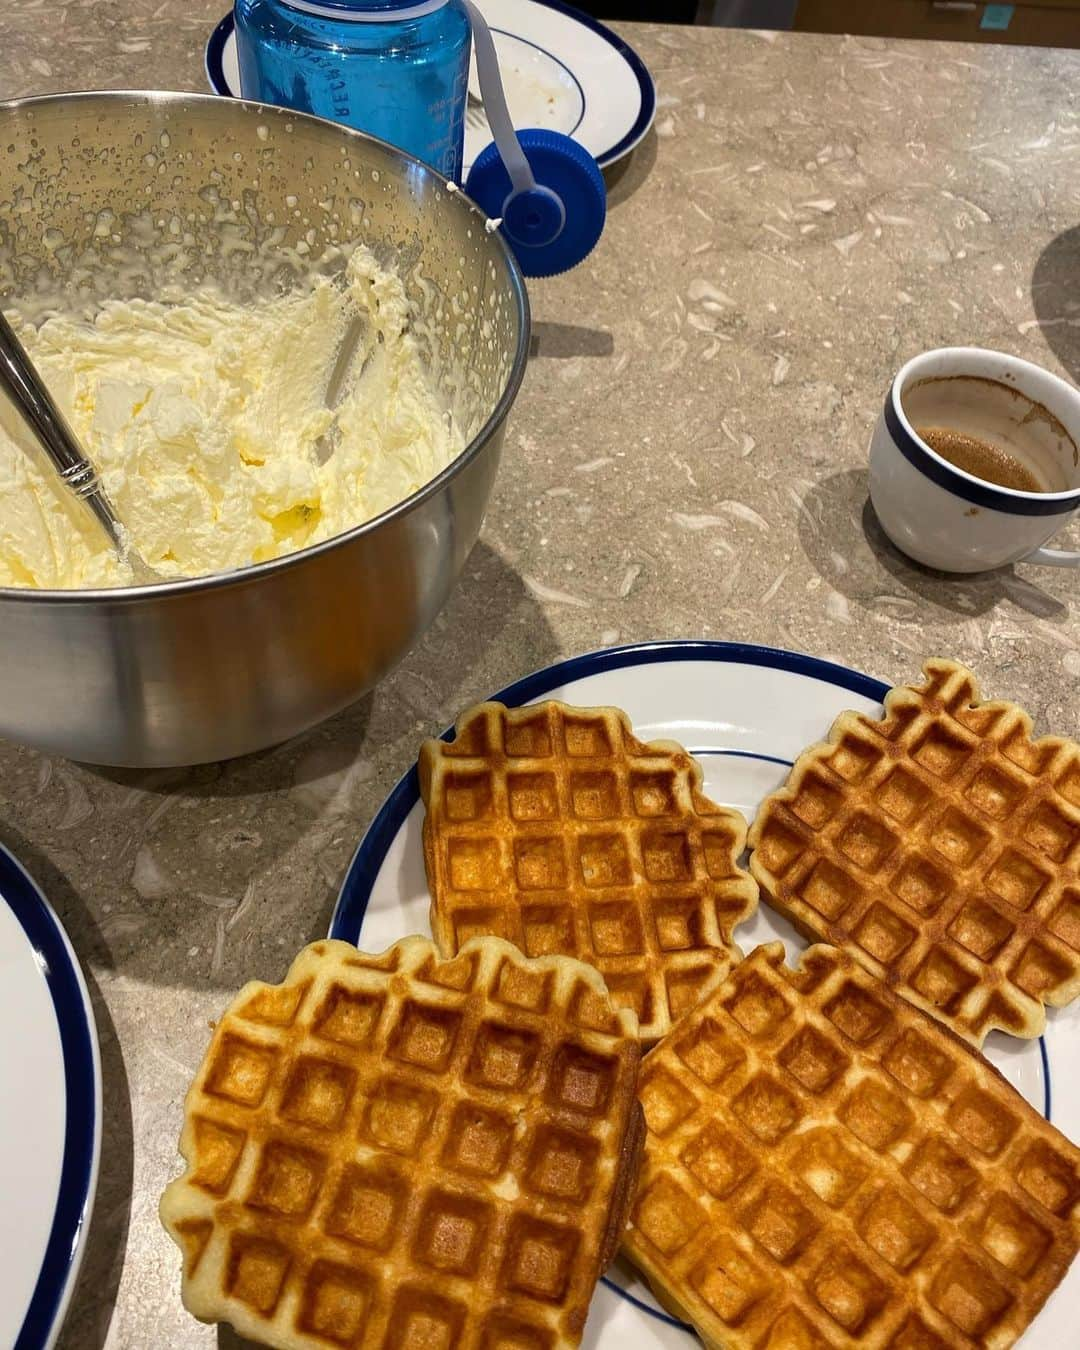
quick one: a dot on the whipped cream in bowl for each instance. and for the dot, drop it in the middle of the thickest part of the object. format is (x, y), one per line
(186, 271)
(206, 419)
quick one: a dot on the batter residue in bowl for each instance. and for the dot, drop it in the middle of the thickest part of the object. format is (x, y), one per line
(207, 421)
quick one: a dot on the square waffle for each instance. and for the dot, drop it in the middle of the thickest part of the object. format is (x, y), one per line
(396, 1151)
(556, 828)
(940, 846)
(827, 1166)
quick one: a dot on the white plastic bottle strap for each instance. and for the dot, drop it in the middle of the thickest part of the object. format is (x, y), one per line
(416, 11)
(498, 114)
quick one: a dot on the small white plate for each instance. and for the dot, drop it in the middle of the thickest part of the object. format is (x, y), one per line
(745, 712)
(561, 69)
(50, 1113)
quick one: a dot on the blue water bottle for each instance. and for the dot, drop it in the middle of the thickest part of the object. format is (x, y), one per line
(397, 69)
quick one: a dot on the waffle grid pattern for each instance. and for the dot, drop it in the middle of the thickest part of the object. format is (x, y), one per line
(940, 846)
(825, 1166)
(397, 1151)
(555, 828)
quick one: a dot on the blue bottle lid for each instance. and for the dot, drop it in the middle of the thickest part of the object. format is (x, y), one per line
(554, 225)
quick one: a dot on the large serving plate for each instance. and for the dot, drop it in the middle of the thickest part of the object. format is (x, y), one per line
(745, 712)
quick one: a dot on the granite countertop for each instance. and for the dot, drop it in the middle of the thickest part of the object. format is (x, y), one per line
(687, 458)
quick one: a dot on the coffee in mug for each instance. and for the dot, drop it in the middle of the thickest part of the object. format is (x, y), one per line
(982, 459)
(990, 430)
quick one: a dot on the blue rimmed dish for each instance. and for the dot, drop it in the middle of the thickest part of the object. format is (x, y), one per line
(563, 70)
(50, 1113)
(746, 712)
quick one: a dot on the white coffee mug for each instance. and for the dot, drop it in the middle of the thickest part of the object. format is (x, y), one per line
(947, 518)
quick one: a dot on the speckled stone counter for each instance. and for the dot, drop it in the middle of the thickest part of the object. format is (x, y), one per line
(687, 457)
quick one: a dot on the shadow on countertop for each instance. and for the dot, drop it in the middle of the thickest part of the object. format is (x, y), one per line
(838, 526)
(223, 870)
(1055, 295)
(626, 175)
(562, 341)
(228, 1339)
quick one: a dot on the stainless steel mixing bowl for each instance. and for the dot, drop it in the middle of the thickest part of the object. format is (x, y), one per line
(150, 194)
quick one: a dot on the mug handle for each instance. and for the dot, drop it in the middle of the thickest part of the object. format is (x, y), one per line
(1053, 557)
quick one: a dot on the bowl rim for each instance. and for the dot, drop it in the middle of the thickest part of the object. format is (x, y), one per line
(250, 572)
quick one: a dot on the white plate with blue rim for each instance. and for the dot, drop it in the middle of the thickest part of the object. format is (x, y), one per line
(562, 69)
(746, 713)
(50, 1113)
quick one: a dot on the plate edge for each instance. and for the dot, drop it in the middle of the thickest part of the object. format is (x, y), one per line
(77, 1238)
(214, 69)
(406, 791)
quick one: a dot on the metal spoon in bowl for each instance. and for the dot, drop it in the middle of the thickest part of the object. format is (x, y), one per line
(22, 381)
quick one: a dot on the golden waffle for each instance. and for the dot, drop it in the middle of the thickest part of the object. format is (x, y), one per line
(556, 828)
(397, 1151)
(826, 1166)
(940, 846)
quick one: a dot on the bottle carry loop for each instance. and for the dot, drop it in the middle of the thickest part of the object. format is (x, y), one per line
(544, 188)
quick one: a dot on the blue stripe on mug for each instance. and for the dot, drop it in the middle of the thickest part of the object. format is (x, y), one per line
(970, 489)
